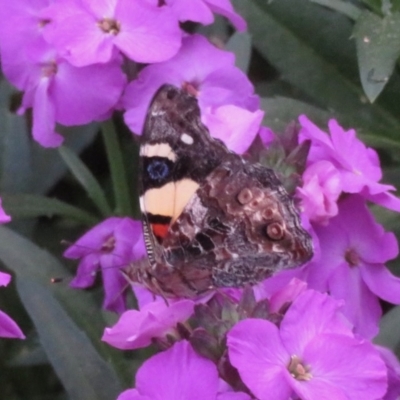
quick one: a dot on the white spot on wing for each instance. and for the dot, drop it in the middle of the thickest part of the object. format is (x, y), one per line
(158, 150)
(187, 139)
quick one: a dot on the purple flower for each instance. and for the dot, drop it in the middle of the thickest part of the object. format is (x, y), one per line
(136, 329)
(215, 83)
(320, 191)
(8, 327)
(202, 11)
(357, 164)
(354, 249)
(57, 91)
(108, 246)
(177, 373)
(312, 354)
(90, 31)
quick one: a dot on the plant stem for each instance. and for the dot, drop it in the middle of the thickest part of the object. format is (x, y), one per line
(117, 169)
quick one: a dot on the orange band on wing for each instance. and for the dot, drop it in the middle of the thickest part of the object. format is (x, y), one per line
(160, 230)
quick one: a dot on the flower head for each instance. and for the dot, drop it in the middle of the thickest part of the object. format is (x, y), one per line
(92, 31)
(320, 191)
(357, 164)
(180, 374)
(354, 249)
(111, 244)
(222, 90)
(136, 329)
(312, 354)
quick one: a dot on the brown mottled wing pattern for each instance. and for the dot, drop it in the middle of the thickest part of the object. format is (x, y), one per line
(239, 228)
(236, 225)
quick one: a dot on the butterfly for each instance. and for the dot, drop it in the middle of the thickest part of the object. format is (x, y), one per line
(211, 219)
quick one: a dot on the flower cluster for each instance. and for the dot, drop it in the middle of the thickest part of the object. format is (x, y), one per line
(69, 56)
(304, 333)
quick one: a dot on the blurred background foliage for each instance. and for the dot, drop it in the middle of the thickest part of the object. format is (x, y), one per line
(323, 58)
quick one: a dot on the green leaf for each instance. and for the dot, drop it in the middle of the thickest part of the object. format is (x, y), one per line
(310, 48)
(378, 48)
(68, 322)
(14, 145)
(389, 329)
(86, 179)
(84, 374)
(344, 7)
(240, 44)
(280, 111)
(375, 5)
(117, 169)
(32, 206)
(47, 165)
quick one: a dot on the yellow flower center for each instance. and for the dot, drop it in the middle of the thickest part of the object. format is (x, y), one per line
(298, 370)
(111, 26)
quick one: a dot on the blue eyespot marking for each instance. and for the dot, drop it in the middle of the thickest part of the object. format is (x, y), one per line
(158, 170)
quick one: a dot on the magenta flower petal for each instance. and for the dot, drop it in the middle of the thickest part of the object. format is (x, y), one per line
(384, 199)
(381, 282)
(369, 239)
(361, 306)
(4, 218)
(132, 394)
(305, 317)
(235, 126)
(195, 10)
(286, 295)
(44, 117)
(9, 328)
(320, 191)
(86, 273)
(149, 34)
(114, 285)
(75, 91)
(5, 279)
(224, 7)
(180, 374)
(393, 367)
(136, 329)
(93, 239)
(256, 350)
(233, 396)
(347, 370)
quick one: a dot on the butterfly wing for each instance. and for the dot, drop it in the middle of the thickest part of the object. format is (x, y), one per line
(240, 226)
(176, 155)
(211, 219)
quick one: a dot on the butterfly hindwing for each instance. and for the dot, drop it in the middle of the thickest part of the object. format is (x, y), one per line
(240, 226)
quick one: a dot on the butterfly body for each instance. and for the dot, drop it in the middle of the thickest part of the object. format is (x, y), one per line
(211, 218)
